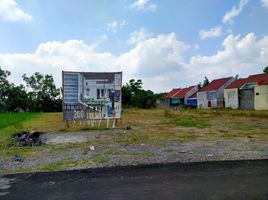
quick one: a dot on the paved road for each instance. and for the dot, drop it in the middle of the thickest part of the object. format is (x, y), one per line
(215, 180)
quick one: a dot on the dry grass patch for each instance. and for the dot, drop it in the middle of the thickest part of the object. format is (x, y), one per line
(147, 126)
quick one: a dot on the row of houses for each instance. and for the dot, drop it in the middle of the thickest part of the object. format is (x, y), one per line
(229, 92)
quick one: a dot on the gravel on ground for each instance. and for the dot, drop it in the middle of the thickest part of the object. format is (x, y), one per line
(115, 154)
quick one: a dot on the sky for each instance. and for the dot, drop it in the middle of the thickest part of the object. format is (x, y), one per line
(165, 43)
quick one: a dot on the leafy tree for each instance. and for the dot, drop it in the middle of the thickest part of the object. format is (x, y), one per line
(135, 85)
(159, 96)
(265, 70)
(126, 95)
(134, 96)
(17, 98)
(4, 84)
(3, 107)
(206, 82)
(43, 94)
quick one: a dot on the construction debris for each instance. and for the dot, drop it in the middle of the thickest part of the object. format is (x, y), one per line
(25, 138)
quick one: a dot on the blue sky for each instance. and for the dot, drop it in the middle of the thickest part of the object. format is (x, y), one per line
(167, 44)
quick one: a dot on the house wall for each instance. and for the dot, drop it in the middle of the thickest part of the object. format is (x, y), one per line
(231, 98)
(214, 98)
(202, 101)
(214, 103)
(261, 97)
(207, 99)
(220, 91)
(163, 103)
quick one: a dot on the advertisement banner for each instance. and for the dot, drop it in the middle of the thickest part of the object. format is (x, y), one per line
(92, 95)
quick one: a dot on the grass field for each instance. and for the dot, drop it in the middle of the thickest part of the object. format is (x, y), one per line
(147, 127)
(9, 119)
(151, 125)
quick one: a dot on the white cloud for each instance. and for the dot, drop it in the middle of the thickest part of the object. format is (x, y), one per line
(265, 3)
(159, 61)
(241, 56)
(154, 56)
(154, 60)
(143, 5)
(235, 11)
(10, 11)
(139, 36)
(213, 32)
(114, 26)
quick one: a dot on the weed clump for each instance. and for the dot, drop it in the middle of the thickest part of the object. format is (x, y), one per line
(167, 113)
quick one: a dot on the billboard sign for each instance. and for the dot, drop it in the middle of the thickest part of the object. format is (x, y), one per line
(91, 95)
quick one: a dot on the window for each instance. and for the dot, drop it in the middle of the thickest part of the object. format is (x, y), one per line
(98, 93)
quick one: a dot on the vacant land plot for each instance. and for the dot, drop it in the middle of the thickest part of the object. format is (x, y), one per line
(152, 136)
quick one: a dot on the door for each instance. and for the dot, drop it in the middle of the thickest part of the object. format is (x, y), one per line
(209, 104)
(246, 99)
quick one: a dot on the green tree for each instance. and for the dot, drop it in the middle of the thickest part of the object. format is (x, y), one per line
(134, 96)
(4, 83)
(206, 82)
(43, 94)
(265, 70)
(126, 95)
(17, 98)
(135, 85)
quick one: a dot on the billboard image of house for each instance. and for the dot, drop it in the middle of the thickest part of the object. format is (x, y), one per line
(91, 95)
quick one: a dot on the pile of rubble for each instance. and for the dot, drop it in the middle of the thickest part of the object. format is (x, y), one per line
(25, 138)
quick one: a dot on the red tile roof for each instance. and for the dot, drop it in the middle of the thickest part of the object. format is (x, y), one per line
(215, 84)
(183, 92)
(172, 92)
(251, 79)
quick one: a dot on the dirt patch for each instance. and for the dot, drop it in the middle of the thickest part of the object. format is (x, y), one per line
(63, 138)
(76, 137)
(74, 151)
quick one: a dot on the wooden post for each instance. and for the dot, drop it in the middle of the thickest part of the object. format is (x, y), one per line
(73, 123)
(108, 122)
(114, 122)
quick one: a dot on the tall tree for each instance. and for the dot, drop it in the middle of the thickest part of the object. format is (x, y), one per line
(43, 93)
(206, 82)
(17, 98)
(135, 85)
(4, 85)
(134, 96)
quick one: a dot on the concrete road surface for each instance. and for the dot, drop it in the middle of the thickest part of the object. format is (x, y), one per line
(213, 180)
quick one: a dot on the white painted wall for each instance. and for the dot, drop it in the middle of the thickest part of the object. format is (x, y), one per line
(231, 98)
(213, 96)
(261, 97)
(202, 100)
